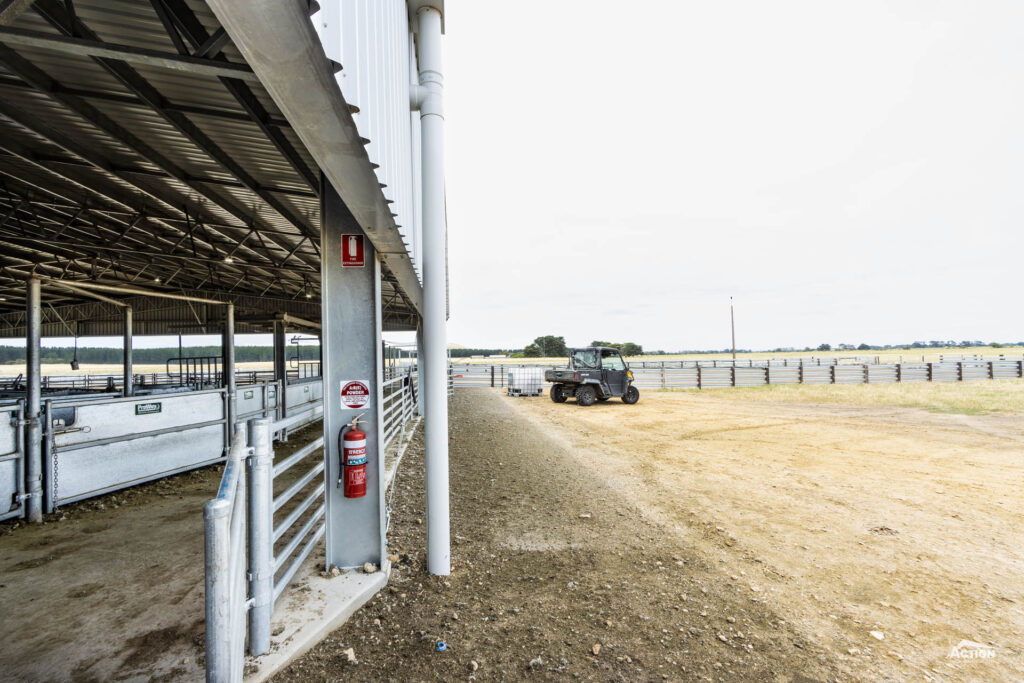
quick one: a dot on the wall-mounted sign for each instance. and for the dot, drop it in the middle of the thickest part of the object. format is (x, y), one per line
(353, 254)
(148, 408)
(355, 393)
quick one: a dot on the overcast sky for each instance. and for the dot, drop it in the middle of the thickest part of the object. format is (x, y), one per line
(849, 171)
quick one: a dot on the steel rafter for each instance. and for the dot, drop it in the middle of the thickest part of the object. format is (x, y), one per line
(58, 16)
(180, 18)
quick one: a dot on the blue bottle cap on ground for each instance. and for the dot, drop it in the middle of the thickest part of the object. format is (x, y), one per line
(441, 647)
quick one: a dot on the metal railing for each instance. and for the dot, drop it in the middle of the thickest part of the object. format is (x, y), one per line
(226, 595)
(12, 460)
(717, 374)
(283, 530)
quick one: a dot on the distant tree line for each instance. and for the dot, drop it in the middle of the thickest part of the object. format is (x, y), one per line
(550, 346)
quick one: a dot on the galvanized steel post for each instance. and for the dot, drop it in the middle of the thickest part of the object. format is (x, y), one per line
(281, 366)
(127, 388)
(33, 390)
(228, 351)
(261, 529)
(217, 521)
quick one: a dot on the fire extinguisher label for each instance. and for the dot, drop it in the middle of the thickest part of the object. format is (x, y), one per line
(355, 393)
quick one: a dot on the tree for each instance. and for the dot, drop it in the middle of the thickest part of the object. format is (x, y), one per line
(825, 347)
(532, 351)
(631, 349)
(863, 347)
(551, 346)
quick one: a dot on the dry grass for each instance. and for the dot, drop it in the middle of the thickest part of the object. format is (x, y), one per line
(967, 398)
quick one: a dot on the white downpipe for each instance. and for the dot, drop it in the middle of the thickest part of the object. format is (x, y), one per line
(428, 96)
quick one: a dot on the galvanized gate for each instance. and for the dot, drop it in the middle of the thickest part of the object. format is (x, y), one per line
(12, 461)
(100, 445)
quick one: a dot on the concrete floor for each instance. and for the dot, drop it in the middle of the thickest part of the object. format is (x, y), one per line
(111, 588)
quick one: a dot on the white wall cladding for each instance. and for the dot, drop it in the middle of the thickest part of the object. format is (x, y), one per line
(372, 40)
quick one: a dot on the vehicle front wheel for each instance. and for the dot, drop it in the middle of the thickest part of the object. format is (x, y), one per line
(558, 393)
(585, 395)
(631, 396)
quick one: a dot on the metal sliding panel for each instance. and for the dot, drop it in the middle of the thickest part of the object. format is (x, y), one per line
(104, 445)
(352, 357)
(12, 462)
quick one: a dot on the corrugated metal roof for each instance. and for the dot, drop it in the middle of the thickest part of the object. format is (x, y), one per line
(184, 191)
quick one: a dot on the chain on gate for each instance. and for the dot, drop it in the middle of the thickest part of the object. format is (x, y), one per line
(54, 466)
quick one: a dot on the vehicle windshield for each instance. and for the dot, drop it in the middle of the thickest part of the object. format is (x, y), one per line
(584, 358)
(611, 360)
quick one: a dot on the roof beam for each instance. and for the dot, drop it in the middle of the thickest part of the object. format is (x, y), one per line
(10, 9)
(58, 17)
(44, 83)
(136, 55)
(131, 99)
(204, 43)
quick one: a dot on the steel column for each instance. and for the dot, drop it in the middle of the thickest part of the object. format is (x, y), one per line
(435, 291)
(281, 366)
(33, 390)
(128, 388)
(228, 352)
(352, 352)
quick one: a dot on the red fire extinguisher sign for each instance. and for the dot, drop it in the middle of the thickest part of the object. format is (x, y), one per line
(352, 251)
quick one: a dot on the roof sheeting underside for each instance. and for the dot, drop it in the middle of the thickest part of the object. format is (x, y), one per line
(118, 170)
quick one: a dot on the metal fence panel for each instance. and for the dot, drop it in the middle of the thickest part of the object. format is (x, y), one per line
(783, 374)
(751, 377)
(882, 374)
(850, 374)
(1006, 369)
(12, 462)
(109, 444)
(817, 374)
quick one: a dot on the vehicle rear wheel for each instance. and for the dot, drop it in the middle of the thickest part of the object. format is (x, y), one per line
(558, 393)
(585, 395)
(631, 396)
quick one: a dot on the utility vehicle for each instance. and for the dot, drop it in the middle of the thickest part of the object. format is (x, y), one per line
(595, 373)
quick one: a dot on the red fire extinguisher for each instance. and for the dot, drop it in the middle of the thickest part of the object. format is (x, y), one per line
(353, 460)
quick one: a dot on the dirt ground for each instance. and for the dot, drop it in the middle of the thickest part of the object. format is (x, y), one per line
(557, 572)
(698, 537)
(847, 519)
(112, 588)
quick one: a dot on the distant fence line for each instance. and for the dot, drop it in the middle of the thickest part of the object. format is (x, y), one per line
(719, 373)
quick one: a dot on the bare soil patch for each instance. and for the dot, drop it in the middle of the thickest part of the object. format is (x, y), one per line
(557, 573)
(847, 518)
